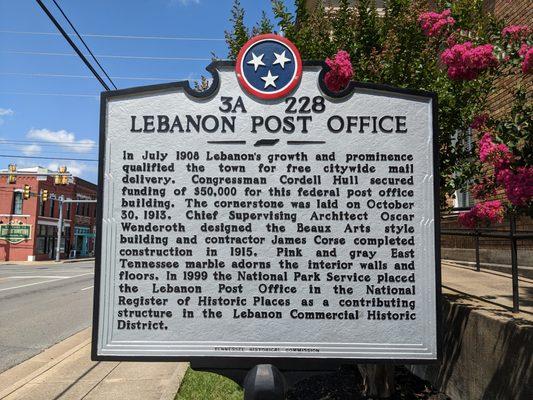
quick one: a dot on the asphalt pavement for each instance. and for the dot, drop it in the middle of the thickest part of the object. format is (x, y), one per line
(40, 305)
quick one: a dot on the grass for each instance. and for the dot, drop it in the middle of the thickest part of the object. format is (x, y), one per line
(208, 386)
(344, 384)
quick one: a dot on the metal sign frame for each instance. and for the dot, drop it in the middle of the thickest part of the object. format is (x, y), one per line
(283, 363)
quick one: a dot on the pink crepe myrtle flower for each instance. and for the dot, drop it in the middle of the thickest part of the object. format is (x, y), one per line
(466, 62)
(433, 24)
(341, 71)
(498, 155)
(527, 53)
(518, 185)
(490, 211)
(484, 189)
(516, 32)
(468, 219)
(486, 212)
(479, 121)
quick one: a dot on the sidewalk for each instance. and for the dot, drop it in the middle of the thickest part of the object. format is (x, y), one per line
(62, 261)
(65, 371)
(487, 290)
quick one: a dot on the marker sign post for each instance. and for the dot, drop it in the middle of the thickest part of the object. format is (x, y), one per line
(252, 223)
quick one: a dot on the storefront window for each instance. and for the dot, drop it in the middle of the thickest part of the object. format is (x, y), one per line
(51, 207)
(41, 207)
(17, 203)
(66, 235)
(41, 239)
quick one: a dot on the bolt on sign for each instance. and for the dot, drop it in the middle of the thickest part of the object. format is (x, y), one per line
(267, 217)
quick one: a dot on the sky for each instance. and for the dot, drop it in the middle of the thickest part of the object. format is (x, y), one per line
(49, 101)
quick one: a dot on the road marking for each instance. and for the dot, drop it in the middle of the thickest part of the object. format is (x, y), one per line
(49, 281)
(37, 277)
(87, 288)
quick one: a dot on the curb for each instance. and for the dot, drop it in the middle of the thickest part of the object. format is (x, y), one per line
(63, 261)
(76, 260)
(175, 382)
(169, 391)
(17, 385)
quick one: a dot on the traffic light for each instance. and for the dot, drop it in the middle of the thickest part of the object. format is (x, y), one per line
(26, 194)
(44, 195)
(64, 178)
(61, 178)
(12, 178)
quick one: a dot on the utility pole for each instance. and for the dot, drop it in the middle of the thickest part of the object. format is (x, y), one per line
(59, 228)
(62, 201)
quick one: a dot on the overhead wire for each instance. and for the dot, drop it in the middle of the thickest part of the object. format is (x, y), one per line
(127, 57)
(72, 44)
(85, 44)
(43, 142)
(49, 158)
(133, 78)
(51, 94)
(129, 37)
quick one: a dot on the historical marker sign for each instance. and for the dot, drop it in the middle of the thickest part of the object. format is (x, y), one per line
(267, 217)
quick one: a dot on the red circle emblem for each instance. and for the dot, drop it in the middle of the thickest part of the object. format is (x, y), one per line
(269, 66)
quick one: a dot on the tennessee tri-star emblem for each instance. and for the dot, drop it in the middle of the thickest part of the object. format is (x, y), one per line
(269, 66)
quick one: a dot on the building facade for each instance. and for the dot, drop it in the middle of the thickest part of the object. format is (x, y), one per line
(28, 227)
(494, 253)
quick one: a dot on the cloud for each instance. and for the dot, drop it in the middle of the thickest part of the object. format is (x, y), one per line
(31, 149)
(4, 112)
(65, 139)
(183, 2)
(74, 167)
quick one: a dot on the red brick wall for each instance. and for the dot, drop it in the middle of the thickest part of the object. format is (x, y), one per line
(461, 242)
(19, 251)
(513, 12)
(31, 207)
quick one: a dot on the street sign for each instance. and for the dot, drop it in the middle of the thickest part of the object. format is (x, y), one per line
(263, 219)
(15, 232)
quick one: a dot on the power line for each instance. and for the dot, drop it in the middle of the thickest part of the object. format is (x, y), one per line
(85, 44)
(72, 44)
(41, 53)
(64, 149)
(34, 148)
(51, 94)
(48, 158)
(133, 78)
(45, 142)
(132, 37)
(59, 153)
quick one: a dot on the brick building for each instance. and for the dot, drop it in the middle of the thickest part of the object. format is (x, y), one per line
(494, 253)
(28, 228)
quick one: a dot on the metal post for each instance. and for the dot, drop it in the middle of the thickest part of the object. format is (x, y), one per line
(477, 251)
(514, 265)
(264, 382)
(59, 228)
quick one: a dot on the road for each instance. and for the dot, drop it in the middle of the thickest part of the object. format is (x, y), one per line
(40, 305)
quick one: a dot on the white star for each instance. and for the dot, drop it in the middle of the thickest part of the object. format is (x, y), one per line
(281, 59)
(269, 79)
(257, 61)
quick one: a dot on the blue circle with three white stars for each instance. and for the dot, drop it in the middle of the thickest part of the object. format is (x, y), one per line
(269, 66)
